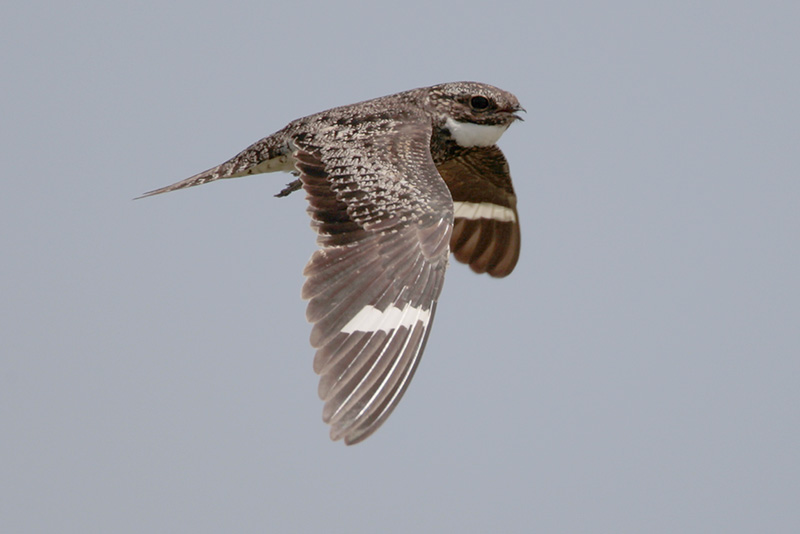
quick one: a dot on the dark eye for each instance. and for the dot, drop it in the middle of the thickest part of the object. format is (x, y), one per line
(479, 102)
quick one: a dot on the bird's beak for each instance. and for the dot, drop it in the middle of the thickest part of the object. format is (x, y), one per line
(513, 111)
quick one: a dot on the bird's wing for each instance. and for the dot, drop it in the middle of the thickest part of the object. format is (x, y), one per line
(383, 217)
(486, 233)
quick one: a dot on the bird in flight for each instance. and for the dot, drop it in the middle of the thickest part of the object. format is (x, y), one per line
(394, 185)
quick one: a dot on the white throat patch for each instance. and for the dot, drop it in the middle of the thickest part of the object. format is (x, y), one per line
(469, 134)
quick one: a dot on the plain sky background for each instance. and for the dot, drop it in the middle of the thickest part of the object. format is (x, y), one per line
(639, 371)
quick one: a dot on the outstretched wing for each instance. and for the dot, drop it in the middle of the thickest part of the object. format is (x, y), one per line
(384, 218)
(486, 234)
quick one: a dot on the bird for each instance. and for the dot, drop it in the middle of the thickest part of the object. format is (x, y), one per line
(394, 185)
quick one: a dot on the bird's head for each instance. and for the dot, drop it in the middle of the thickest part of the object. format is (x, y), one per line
(476, 114)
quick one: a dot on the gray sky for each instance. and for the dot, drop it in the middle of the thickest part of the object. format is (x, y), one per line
(637, 373)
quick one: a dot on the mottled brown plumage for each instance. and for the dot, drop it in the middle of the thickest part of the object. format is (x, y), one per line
(393, 184)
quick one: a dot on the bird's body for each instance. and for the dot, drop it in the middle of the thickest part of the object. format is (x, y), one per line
(394, 184)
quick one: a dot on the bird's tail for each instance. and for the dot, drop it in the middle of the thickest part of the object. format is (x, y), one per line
(266, 155)
(198, 179)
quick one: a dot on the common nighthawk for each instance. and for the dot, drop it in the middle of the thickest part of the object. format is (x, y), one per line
(393, 184)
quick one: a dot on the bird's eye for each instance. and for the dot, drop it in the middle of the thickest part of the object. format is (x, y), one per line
(479, 102)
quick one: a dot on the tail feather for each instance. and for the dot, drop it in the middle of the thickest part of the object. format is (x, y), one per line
(198, 179)
(267, 155)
